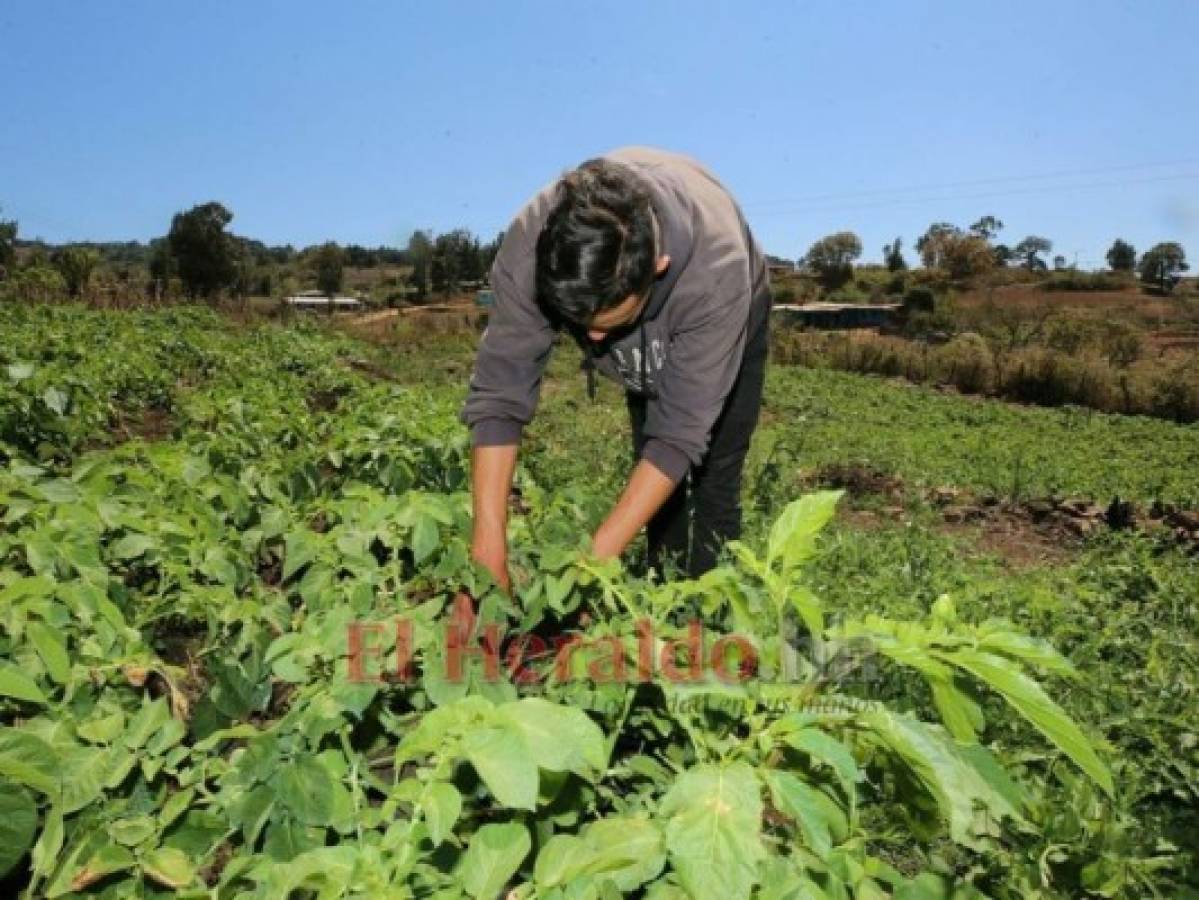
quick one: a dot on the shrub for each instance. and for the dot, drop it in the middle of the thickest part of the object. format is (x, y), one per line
(849, 293)
(1047, 378)
(1175, 393)
(1070, 335)
(1122, 344)
(919, 299)
(1073, 280)
(784, 294)
(34, 284)
(967, 363)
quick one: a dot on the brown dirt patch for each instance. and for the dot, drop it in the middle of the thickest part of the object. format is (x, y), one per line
(1150, 311)
(150, 424)
(859, 481)
(1024, 535)
(1014, 537)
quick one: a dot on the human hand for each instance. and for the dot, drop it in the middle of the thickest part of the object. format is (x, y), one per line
(494, 558)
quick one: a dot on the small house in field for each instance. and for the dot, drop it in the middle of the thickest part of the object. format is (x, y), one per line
(317, 300)
(837, 316)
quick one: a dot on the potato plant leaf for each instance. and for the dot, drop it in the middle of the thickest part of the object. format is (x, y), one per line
(1031, 701)
(493, 857)
(713, 820)
(18, 824)
(16, 684)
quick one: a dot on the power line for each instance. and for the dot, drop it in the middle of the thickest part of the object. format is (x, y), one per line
(974, 182)
(760, 213)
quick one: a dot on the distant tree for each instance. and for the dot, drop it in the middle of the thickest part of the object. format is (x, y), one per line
(1122, 256)
(967, 256)
(959, 254)
(1163, 265)
(8, 246)
(1002, 254)
(832, 258)
(931, 244)
(893, 256)
(161, 266)
(76, 265)
(249, 259)
(359, 257)
(203, 252)
(454, 260)
(328, 262)
(1029, 250)
(36, 283)
(281, 255)
(986, 228)
(488, 252)
(36, 256)
(418, 254)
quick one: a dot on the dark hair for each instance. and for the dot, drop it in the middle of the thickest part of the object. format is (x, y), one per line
(597, 247)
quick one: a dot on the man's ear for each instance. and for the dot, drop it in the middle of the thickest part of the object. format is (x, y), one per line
(662, 265)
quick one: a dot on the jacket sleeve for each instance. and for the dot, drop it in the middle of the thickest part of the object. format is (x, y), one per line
(701, 366)
(512, 354)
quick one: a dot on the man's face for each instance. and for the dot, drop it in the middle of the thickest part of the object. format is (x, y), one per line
(616, 318)
(623, 314)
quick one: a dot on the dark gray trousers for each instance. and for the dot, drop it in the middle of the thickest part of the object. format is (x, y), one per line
(704, 512)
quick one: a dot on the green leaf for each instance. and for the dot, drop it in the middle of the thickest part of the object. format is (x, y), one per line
(177, 804)
(968, 798)
(133, 545)
(812, 811)
(55, 399)
(504, 761)
(249, 812)
(15, 683)
(560, 738)
(626, 851)
(961, 715)
(86, 770)
(52, 650)
(132, 831)
(425, 537)
(146, 722)
(809, 607)
(102, 863)
(793, 536)
(102, 730)
(998, 637)
(27, 759)
(59, 490)
(1031, 701)
(305, 787)
(329, 868)
(169, 866)
(562, 860)
(713, 830)
(299, 549)
(442, 808)
(826, 749)
(493, 857)
(18, 824)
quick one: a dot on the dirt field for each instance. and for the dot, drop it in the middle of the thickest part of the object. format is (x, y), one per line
(1175, 312)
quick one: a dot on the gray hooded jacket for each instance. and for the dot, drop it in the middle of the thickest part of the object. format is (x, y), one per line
(685, 351)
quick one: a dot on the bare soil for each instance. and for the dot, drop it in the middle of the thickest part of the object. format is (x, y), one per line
(1024, 534)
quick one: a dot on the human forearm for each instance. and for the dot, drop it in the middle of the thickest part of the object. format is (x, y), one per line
(492, 468)
(647, 490)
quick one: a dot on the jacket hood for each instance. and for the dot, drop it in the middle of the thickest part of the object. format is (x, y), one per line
(678, 243)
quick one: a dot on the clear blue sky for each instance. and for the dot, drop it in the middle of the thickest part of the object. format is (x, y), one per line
(361, 121)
